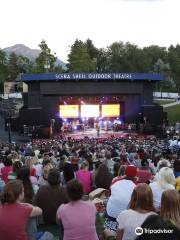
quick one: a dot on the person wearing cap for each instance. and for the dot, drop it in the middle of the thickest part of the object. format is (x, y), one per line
(120, 196)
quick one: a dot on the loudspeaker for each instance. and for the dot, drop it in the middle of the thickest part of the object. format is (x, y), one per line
(153, 114)
(44, 132)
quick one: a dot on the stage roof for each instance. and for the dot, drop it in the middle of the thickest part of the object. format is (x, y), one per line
(91, 76)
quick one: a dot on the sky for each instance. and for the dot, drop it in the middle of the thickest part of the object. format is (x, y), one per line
(60, 22)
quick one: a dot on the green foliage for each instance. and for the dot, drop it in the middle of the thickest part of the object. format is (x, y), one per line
(79, 58)
(85, 57)
(3, 69)
(45, 62)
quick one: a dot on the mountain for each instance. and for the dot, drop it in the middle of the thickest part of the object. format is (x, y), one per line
(32, 54)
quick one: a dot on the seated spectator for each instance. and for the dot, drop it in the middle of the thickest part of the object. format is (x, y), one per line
(46, 166)
(177, 168)
(50, 197)
(103, 177)
(6, 169)
(68, 173)
(166, 180)
(14, 215)
(170, 207)
(77, 217)
(15, 168)
(121, 174)
(29, 161)
(116, 169)
(85, 177)
(29, 189)
(139, 208)
(156, 223)
(177, 184)
(1, 163)
(37, 166)
(137, 161)
(2, 184)
(143, 175)
(120, 196)
(162, 163)
(109, 162)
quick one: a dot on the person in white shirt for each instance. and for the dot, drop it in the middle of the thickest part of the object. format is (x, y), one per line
(120, 196)
(139, 208)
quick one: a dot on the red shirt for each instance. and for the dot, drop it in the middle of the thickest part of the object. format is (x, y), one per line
(13, 221)
(5, 171)
(32, 172)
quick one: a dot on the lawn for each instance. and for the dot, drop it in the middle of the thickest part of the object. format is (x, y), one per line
(173, 113)
(164, 102)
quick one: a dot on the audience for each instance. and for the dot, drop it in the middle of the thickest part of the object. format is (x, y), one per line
(62, 174)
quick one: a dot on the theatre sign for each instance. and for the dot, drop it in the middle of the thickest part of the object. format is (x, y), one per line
(91, 76)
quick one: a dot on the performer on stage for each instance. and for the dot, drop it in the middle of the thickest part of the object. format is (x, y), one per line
(97, 129)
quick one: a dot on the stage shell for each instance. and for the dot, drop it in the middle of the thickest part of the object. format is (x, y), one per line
(133, 92)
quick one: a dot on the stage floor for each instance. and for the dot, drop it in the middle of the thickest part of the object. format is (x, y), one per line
(92, 133)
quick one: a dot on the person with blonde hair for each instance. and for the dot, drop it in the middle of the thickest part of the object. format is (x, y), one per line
(139, 208)
(170, 207)
(166, 180)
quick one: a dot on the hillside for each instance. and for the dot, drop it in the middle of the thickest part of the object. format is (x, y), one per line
(32, 54)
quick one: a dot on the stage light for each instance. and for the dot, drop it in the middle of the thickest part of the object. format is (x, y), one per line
(65, 120)
(75, 127)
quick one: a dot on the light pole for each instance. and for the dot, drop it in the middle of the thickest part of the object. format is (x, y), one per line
(9, 128)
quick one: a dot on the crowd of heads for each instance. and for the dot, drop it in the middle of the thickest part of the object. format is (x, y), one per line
(25, 168)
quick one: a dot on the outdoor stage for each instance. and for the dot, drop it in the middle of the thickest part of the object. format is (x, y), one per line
(92, 133)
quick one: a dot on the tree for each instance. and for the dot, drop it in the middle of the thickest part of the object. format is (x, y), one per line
(103, 61)
(79, 58)
(174, 61)
(13, 67)
(3, 69)
(45, 62)
(91, 49)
